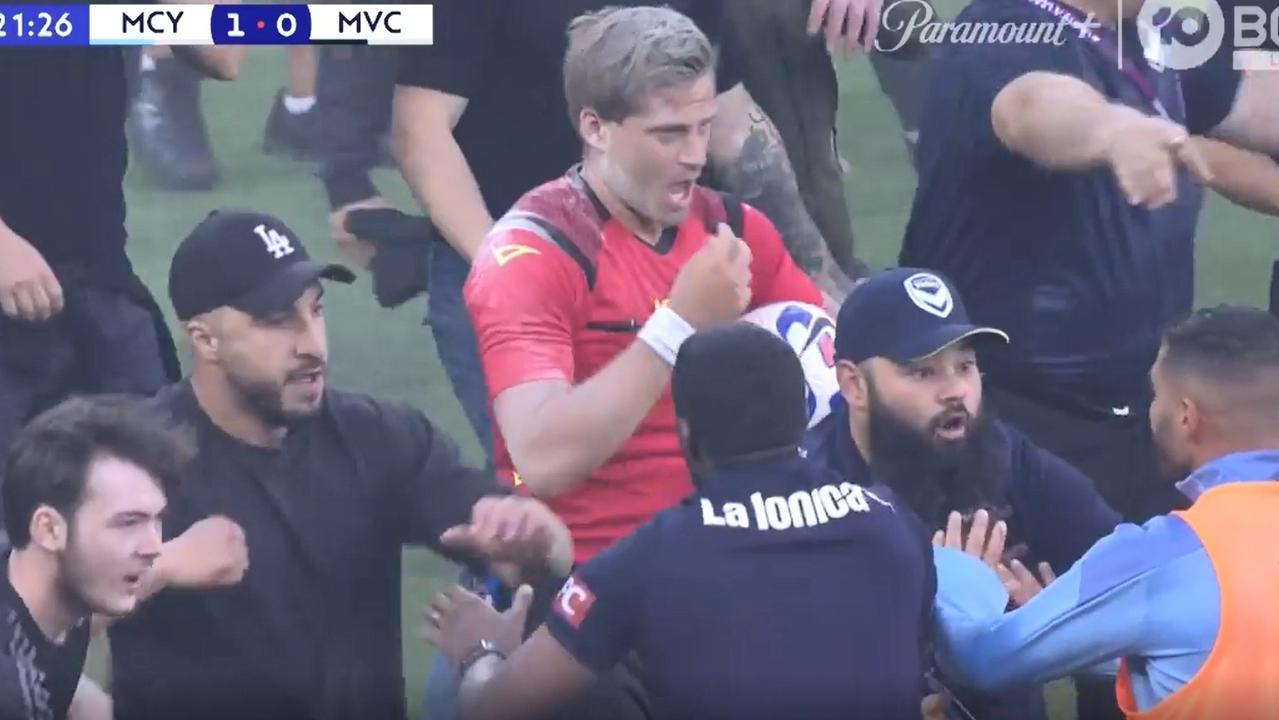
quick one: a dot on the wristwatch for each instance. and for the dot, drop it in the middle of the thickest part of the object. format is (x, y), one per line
(479, 652)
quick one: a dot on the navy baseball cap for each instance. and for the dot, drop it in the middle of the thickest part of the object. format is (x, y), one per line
(904, 314)
(249, 261)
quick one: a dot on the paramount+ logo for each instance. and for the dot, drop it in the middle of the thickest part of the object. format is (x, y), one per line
(1185, 34)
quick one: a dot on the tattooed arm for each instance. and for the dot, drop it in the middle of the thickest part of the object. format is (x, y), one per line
(747, 156)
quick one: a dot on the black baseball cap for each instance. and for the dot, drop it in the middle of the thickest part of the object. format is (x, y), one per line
(904, 314)
(249, 261)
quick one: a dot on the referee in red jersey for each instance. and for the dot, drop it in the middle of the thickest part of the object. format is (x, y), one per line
(582, 293)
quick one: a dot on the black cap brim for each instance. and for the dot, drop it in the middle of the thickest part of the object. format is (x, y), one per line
(926, 345)
(278, 294)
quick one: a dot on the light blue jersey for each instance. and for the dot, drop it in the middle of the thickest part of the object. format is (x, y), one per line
(1148, 594)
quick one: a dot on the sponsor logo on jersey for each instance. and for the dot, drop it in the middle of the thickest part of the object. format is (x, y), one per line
(574, 602)
(801, 509)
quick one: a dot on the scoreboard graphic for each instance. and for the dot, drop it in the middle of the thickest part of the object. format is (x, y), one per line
(215, 24)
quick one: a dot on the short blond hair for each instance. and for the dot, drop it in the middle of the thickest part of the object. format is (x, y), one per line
(616, 56)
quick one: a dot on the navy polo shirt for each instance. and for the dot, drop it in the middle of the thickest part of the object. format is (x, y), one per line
(777, 590)
(1056, 512)
(1083, 282)
(1053, 511)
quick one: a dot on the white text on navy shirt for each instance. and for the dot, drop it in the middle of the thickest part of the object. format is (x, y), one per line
(804, 508)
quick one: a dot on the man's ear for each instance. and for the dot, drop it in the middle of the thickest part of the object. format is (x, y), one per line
(49, 529)
(852, 384)
(1191, 418)
(204, 341)
(593, 129)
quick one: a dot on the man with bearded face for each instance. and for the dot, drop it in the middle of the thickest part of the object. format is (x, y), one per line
(912, 424)
(325, 487)
(1185, 602)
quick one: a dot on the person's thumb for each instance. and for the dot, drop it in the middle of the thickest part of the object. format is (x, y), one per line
(726, 243)
(457, 537)
(1174, 135)
(520, 604)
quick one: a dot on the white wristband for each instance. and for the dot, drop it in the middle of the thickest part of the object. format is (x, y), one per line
(665, 331)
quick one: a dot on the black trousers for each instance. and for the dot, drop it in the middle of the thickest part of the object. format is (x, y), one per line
(1118, 454)
(104, 341)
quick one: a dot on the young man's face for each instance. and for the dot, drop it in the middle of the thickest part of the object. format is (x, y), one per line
(114, 537)
(653, 157)
(276, 364)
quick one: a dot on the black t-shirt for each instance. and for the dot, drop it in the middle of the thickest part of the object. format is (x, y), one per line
(63, 157)
(313, 631)
(1084, 283)
(38, 678)
(776, 591)
(506, 58)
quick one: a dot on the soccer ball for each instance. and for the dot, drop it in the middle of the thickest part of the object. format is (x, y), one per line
(811, 334)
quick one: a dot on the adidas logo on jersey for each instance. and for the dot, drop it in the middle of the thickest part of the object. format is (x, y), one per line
(798, 510)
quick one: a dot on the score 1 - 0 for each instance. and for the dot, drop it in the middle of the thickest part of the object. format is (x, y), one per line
(261, 24)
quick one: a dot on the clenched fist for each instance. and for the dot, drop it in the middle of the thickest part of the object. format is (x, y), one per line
(1145, 153)
(212, 553)
(29, 291)
(517, 530)
(714, 286)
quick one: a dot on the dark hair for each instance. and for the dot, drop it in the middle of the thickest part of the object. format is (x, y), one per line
(741, 389)
(48, 462)
(1235, 345)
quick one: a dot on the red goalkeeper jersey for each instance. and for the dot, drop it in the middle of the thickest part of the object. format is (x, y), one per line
(559, 289)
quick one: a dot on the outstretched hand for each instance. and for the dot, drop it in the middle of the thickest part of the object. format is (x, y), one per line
(987, 543)
(1021, 583)
(982, 541)
(459, 621)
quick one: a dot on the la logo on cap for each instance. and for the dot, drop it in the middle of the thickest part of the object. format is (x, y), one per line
(277, 244)
(930, 294)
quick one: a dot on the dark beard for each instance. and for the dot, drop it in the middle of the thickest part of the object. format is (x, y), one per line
(265, 401)
(933, 478)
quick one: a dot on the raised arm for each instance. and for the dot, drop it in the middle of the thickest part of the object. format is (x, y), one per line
(749, 159)
(558, 429)
(1062, 123)
(1244, 177)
